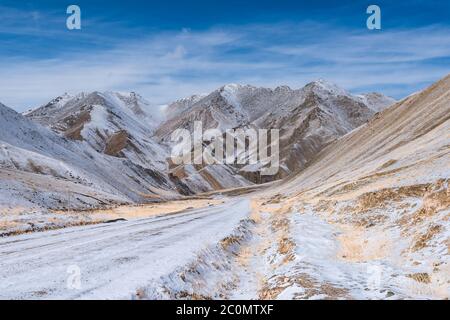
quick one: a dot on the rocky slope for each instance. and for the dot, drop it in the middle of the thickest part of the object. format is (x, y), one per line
(369, 217)
(111, 123)
(101, 148)
(38, 167)
(101, 154)
(121, 126)
(308, 118)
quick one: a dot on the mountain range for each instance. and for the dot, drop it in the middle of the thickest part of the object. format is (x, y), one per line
(361, 212)
(104, 148)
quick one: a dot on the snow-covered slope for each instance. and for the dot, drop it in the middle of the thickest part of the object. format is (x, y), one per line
(175, 108)
(308, 118)
(120, 127)
(131, 103)
(111, 123)
(31, 150)
(228, 107)
(376, 101)
(369, 217)
(36, 151)
(118, 144)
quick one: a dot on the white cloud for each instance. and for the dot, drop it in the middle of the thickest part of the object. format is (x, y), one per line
(170, 65)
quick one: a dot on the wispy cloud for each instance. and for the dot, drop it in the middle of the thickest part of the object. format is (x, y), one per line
(168, 65)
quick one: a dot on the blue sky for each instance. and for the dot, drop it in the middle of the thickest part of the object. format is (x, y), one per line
(166, 50)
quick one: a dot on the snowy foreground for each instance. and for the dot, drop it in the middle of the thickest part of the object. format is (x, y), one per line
(113, 260)
(242, 249)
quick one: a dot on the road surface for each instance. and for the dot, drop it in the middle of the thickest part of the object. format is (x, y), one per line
(110, 261)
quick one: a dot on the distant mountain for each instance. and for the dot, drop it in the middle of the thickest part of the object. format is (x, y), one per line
(110, 147)
(409, 140)
(115, 124)
(308, 118)
(37, 167)
(376, 101)
(179, 106)
(121, 126)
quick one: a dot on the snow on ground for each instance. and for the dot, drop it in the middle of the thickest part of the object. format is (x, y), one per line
(317, 257)
(369, 218)
(114, 260)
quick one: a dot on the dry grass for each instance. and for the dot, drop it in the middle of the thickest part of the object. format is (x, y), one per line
(359, 245)
(213, 182)
(276, 285)
(421, 277)
(379, 198)
(116, 143)
(34, 167)
(149, 210)
(421, 241)
(229, 242)
(77, 125)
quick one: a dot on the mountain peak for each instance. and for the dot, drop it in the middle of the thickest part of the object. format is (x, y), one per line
(376, 101)
(235, 87)
(231, 86)
(322, 85)
(282, 89)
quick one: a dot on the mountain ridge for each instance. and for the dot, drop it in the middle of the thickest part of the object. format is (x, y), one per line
(91, 139)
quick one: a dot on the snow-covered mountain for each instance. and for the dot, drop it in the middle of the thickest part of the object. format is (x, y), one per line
(175, 108)
(376, 199)
(110, 147)
(367, 217)
(111, 123)
(120, 126)
(43, 169)
(37, 167)
(376, 101)
(308, 118)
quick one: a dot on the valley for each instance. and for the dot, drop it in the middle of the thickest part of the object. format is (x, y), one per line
(360, 209)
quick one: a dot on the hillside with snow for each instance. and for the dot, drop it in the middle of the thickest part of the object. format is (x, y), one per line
(103, 148)
(84, 152)
(367, 219)
(308, 118)
(122, 126)
(362, 212)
